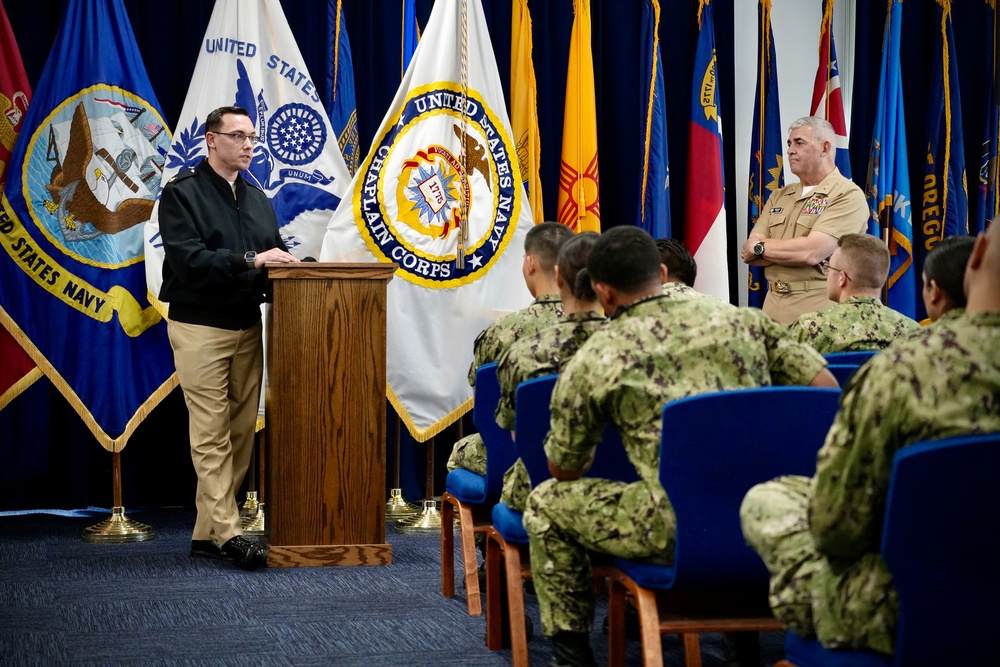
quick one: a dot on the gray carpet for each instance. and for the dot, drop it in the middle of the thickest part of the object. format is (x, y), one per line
(64, 601)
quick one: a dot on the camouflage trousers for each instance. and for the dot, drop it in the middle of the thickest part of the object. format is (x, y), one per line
(469, 453)
(565, 520)
(516, 486)
(845, 603)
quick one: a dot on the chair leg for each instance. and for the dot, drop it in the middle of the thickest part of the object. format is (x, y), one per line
(494, 622)
(692, 649)
(447, 546)
(467, 530)
(649, 626)
(616, 622)
(515, 605)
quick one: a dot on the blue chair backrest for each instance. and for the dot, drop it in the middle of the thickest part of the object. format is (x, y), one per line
(939, 542)
(850, 358)
(714, 448)
(842, 372)
(532, 425)
(500, 453)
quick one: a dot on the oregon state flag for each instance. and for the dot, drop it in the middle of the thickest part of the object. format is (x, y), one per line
(767, 172)
(888, 187)
(440, 194)
(524, 106)
(827, 99)
(705, 231)
(82, 181)
(17, 370)
(579, 194)
(945, 210)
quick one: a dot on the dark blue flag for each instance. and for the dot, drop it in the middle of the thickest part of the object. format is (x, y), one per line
(766, 152)
(945, 201)
(340, 100)
(83, 178)
(888, 176)
(988, 195)
(654, 193)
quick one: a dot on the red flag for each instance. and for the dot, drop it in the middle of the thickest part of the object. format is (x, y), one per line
(828, 100)
(17, 370)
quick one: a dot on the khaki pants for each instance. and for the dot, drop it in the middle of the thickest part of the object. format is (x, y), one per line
(220, 372)
(785, 308)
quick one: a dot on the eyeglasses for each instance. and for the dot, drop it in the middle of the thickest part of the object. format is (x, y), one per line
(240, 137)
(825, 268)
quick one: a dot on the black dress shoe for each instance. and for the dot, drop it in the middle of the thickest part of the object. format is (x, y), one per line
(207, 549)
(246, 554)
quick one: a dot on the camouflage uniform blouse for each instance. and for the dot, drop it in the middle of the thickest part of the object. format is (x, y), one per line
(942, 384)
(658, 349)
(547, 351)
(856, 323)
(501, 334)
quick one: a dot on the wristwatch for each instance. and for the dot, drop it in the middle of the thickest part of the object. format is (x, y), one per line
(758, 249)
(249, 258)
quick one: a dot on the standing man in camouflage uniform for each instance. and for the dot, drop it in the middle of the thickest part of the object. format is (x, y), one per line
(541, 248)
(800, 224)
(944, 273)
(820, 537)
(856, 272)
(655, 349)
(548, 350)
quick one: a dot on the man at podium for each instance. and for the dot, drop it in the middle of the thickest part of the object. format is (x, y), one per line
(218, 231)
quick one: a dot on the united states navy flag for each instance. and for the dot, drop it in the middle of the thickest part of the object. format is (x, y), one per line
(83, 177)
(654, 193)
(767, 172)
(888, 176)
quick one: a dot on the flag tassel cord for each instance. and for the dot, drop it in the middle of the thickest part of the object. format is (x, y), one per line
(463, 228)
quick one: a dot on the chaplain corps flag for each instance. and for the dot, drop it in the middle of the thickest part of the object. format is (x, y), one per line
(82, 180)
(440, 194)
(250, 59)
(17, 370)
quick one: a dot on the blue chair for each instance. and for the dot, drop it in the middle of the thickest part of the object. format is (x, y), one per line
(939, 544)
(472, 496)
(850, 358)
(507, 536)
(709, 459)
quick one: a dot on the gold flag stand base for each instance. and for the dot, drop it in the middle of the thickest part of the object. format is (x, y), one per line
(249, 509)
(118, 528)
(427, 521)
(254, 525)
(397, 508)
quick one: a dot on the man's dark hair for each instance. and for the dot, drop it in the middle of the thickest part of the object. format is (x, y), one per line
(572, 263)
(625, 258)
(213, 123)
(543, 242)
(679, 262)
(945, 265)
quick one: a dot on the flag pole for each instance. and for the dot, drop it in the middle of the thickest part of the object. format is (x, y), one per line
(118, 527)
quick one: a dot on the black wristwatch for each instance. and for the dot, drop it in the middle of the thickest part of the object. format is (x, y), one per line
(249, 258)
(758, 249)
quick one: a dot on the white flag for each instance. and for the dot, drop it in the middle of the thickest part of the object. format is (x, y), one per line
(440, 143)
(249, 59)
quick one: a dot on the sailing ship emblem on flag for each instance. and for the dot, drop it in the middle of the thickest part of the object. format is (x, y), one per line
(92, 172)
(415, 196)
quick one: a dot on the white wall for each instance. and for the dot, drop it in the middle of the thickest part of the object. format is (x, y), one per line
(795, 27)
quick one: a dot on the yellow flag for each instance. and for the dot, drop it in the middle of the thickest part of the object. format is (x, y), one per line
(523, 106)
(579, 196)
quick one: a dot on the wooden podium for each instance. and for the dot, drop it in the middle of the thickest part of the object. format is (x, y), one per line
(324, 461)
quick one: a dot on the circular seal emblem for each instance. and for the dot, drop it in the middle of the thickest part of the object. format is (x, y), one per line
(441, 182)
(92, 172)
(296, 134)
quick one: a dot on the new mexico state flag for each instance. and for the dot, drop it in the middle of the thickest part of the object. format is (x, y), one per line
(579, 194)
